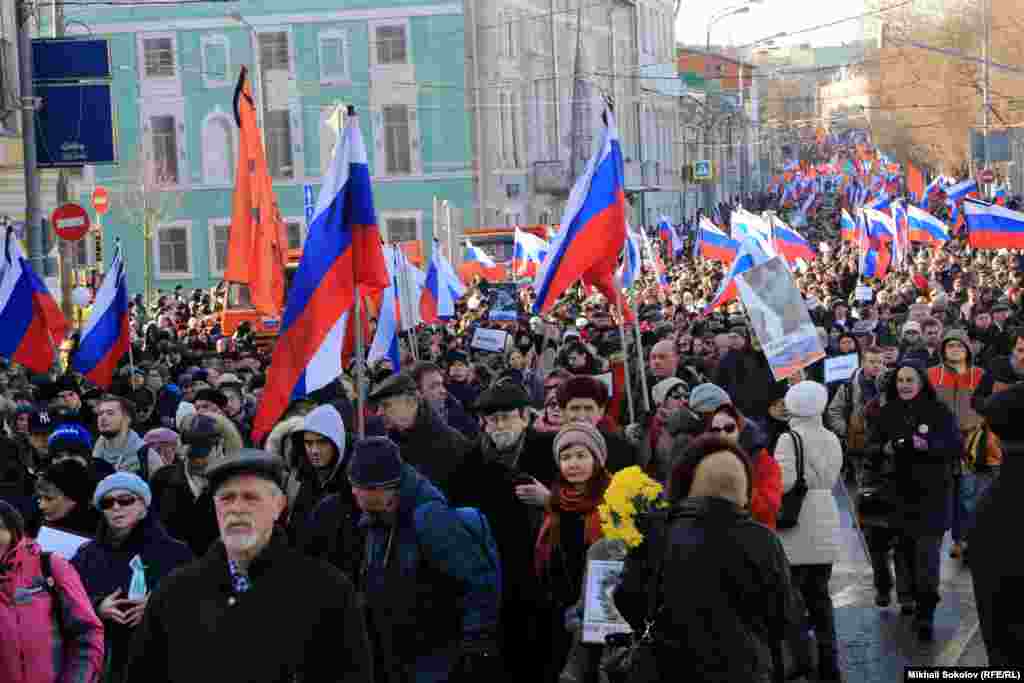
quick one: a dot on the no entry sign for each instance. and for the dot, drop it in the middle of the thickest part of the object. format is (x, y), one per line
(70, 222)
(100, 200)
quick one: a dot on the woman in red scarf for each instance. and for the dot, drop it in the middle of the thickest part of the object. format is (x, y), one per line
(571, 525)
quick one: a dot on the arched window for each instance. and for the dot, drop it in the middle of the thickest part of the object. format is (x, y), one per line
(218, 150)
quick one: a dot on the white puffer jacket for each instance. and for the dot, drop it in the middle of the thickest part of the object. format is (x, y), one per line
(814, 540)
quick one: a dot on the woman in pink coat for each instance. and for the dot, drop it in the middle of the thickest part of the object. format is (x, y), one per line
(32, 650)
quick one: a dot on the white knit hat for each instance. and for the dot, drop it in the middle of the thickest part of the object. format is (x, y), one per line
(806, 399)
(662, 389)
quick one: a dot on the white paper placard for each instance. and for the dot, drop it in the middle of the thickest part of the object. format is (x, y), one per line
(863, 293)
(61, 542)
(840, 368)
(600, 617)
(486, 339)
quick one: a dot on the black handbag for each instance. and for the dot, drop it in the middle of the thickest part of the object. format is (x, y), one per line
(793, 500)
(633, 658)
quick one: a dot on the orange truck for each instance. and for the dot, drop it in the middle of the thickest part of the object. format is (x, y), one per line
(238, 308)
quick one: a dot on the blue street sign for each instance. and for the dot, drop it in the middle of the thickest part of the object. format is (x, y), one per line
(75, 125)
(307, 200)
(70, 59)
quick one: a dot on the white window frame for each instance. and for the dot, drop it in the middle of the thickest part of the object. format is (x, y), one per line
(384, 216)
(158, 273)
(175, 113)
(211, 80)
(374, 55)
(510, 26)
(334, 34)
(173, 37)
(409, 112)
(211, 225)
(261, 30)
(303, 228)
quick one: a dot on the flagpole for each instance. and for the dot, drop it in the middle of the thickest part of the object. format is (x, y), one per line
(640, 360)
(360, 342)
(625, 365)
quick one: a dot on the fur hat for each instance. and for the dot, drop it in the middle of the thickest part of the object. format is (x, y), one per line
(583, 386)
(73, 480)
(806, 399)
(581, 434)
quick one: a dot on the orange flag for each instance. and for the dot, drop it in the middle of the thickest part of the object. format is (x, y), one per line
(258, 240)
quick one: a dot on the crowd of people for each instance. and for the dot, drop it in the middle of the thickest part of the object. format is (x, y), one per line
(452, 540)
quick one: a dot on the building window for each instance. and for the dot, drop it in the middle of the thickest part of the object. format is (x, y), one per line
(159, 57)
(165, 150)
(279, 143)
(513, 116)
(401, 229)
(218, 150)
(391, 45)
(396, 140)
(219, 234)
(501, 130)
(216, 61)
(296, 234)
(274, 55)
(509, 34)
(333, 57)
(173, 250)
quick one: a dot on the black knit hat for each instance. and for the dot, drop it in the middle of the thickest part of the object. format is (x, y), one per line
(376, 464)
(503, 396)
(73, 480)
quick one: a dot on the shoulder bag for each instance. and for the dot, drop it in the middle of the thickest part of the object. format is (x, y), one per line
(793, 500)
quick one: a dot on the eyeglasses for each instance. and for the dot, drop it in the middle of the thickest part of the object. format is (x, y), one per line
(727, 429)
(121, 501)
(678, 395)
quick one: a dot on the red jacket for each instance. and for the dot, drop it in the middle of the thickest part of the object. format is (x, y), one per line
(767, 495)
(30, 646)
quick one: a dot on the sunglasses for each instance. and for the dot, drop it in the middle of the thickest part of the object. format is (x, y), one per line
(122, 501)
(727, 429)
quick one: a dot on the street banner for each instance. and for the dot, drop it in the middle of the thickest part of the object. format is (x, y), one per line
(779, 317)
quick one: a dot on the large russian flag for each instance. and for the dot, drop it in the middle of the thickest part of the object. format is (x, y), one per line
(750, 254)
(925, 227)
(847, 227)
(593, 228)
(106, 337)
(32, 323)
(715, 245)
(308, 353)
(791, 244)
(990, 226)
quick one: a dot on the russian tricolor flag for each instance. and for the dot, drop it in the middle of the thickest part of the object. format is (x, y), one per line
(339, 254)
(962, 190)
(443, 287)
(629, 271)
(925, 227)
(847, 227)
(990, 226)
(750, 254)
(593, 228)
(791, 244)
(106, 337)
(385, 337)
(650, 254)
(671, 236)
(876, 237)
(715, 245)
(32, 323)
(529, 252)
(478, 255)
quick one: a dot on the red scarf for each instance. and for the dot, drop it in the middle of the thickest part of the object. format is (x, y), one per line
(569, 499)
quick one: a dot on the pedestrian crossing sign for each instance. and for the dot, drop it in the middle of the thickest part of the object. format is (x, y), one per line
(702, 170)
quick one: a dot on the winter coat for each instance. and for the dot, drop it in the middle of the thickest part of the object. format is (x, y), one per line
(432, 447)
(955, 390)
(32, 648)
(104, 569)
(459, 419)
(426, 579)
(919, 484)
(847, 404)
(123, 457)
(332, 533)
(997, 563)
(1000, 376)
(298, 621)
(466, 392)
(310, 486)
(747, 378)
(185, 516)
(814, 539)
(721, 624)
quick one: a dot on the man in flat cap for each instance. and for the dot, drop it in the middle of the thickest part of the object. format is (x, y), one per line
(426, 442)
(252, 609)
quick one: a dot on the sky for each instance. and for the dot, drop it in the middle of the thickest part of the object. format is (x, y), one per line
(769, 18)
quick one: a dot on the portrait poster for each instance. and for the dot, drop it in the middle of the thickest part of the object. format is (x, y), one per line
(600, 617)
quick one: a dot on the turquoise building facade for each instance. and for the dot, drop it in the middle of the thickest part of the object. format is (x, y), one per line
(175, 68)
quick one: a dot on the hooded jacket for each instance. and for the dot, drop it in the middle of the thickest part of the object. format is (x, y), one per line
(313, 486)
(427, 581)
(32, 650)
(123, 457)
(956, 390)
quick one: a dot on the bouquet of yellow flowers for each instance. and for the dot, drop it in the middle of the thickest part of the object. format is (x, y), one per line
(631, 492)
